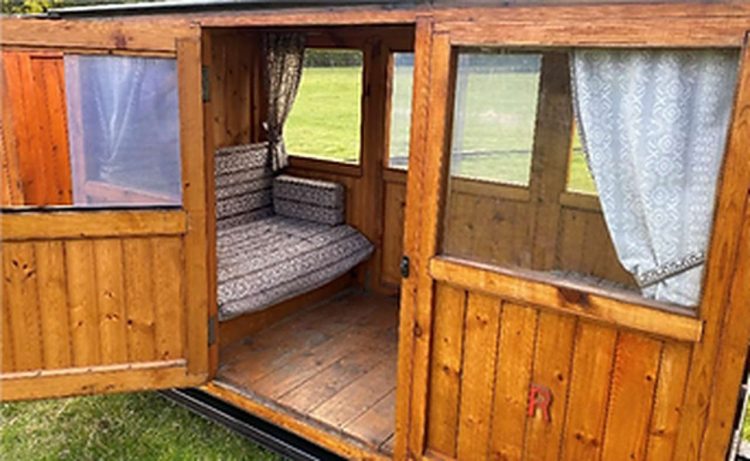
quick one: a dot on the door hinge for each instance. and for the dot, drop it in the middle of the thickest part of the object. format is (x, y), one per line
(205, 84)
(212, 330)
(404, 267)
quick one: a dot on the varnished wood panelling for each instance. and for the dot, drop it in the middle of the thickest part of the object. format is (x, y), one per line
(446, 366)
(393, 231)
(555, 340)
(612, 392)
(92, 302)
(478, 374)
(517, 336)
(631, 396)
(37, 160)
(493, 227)
(586, 247)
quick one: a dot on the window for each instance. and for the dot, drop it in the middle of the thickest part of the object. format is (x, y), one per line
(494, 116)
(325, 119)
(400, 123)
(124, 130)
(579, 175)
(646, 232)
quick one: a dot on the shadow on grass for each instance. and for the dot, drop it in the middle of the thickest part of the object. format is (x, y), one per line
(141, 426)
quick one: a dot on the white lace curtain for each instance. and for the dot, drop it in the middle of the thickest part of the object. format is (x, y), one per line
(284, 56)
(654, 126)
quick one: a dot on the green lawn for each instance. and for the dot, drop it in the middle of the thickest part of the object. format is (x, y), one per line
(142, 426)
(498, 118)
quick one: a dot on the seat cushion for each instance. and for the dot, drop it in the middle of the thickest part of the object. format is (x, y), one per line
(276, 258)
(309, 199)
(243, 185)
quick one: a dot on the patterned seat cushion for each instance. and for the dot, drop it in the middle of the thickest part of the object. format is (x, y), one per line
(276, 258)
(243, 185)
(313, 200)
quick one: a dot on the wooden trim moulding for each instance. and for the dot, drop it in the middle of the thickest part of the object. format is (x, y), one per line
(325, 166)
(492, 189)
(580, 201)
(99, 380)
(567, 299)
(47, 225)
(149, 34)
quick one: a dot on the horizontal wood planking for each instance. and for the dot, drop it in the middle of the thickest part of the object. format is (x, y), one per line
(592, 306)
(157, 375)
(151, 34)
(44, 225)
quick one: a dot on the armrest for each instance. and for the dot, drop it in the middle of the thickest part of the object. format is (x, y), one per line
(308, 199)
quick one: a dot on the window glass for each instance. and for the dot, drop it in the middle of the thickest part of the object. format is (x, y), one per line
(124, 130)
(579, 175)
(325, 119)
(401, 93)
(494, 116)
(646, 232)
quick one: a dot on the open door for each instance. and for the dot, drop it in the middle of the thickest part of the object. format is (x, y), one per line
(522, 334)
(110, 298)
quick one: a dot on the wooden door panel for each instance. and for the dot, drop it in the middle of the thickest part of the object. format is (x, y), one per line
(613, 391)
(80, 311)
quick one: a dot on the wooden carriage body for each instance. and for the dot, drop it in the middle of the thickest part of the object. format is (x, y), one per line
(116, 300)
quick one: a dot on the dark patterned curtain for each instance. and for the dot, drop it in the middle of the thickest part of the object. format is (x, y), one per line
(284, 53)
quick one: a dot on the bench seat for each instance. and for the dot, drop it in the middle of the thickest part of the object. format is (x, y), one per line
(277, 238)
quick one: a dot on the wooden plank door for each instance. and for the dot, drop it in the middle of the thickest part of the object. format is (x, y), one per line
(111, 300)
(616, 377)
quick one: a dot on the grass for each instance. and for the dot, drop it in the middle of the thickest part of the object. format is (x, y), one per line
(142, 426)
(498, 119)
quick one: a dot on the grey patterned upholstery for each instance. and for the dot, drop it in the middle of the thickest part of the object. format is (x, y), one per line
(265, 258)
(310, 199)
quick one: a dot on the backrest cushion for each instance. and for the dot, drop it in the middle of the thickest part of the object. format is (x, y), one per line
(243, 184)
(308, 199)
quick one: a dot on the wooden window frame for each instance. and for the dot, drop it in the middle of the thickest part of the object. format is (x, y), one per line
(460, 39)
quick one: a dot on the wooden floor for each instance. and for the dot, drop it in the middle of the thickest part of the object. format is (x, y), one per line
(333, 365)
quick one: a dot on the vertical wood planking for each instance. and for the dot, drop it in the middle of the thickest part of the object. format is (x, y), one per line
(12, 186)
(479, 360)
(413, 350)
(670, 390)
(53, 304)
(552, 361)
(140, 292)
(589, 392)
(196, 304)
(445, 376)
(515, 360)
(631, 396)
(111, 300)
(21, 305)
(84, 316)
(168, 299)
(51, 128)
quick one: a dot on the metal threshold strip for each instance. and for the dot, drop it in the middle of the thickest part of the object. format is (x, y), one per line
(262, 432)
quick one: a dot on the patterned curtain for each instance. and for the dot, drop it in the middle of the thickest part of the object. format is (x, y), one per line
(284, 53)
(654, 126)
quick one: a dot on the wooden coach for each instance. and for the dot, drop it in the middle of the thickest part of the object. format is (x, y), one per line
(498, 353)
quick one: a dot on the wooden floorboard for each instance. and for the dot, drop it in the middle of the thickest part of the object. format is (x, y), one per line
(334, 363)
